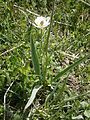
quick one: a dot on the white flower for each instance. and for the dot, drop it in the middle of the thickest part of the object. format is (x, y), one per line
(42, 22)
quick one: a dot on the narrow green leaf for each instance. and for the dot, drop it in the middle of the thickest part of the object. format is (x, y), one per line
(76, 97)
(61, 90)
(33, 95)
(60, 74)
(35, 58)
(47, 41)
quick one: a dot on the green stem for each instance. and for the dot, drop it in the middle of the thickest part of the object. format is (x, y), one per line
(47, 42)
(41, 53)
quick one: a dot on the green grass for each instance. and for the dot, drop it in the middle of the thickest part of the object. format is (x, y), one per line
(45, 74)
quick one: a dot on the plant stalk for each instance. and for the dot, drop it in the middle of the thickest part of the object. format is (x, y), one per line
(47, 42)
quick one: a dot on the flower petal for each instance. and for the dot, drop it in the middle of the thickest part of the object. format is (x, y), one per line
(42, 22)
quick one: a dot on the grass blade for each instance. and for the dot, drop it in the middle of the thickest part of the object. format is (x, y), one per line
(60, 74)
(35, 58)
(47, 41)
(33, 95)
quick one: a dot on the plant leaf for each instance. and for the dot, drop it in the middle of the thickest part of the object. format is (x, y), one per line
(33, 95)
(87, 113)
(60, 74)
(35, 58)
(79, 117)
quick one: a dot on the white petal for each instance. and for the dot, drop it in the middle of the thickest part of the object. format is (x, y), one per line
(46, 24)
(41, 19)
(48, 19)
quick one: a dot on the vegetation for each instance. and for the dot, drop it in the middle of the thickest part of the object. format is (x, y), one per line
(45, 71)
